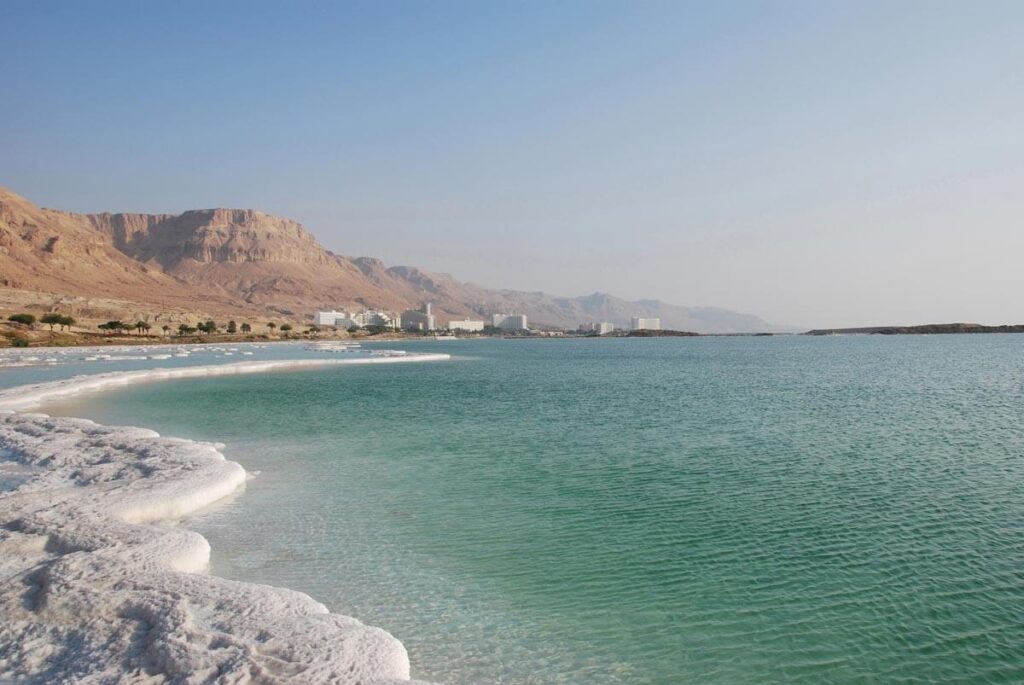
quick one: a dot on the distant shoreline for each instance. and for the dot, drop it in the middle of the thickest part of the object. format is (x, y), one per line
(42, 338)
(925, 329)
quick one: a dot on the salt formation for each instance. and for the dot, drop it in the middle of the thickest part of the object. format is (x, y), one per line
(27, 396)
(100, 585)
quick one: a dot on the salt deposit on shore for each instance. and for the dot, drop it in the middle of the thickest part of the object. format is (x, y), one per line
(100, 586)
(28, 396)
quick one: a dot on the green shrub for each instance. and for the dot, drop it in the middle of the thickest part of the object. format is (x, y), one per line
(26, 319)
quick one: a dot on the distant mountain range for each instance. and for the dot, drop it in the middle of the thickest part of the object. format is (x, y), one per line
(244, 262)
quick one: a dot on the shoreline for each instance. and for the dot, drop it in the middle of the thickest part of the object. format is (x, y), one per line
(101, 583)
(41, 339)
(32, 395)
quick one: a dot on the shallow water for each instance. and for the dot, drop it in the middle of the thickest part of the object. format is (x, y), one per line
(643, 511)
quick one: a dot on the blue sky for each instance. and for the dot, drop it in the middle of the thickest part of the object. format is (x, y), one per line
(816, 163)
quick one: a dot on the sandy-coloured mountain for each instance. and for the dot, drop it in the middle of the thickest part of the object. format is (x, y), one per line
(244, 262)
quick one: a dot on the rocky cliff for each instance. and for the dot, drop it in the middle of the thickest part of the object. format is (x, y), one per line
(208, 236)
(247, 261)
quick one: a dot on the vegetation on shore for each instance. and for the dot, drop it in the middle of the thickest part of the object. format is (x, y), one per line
(22, 329)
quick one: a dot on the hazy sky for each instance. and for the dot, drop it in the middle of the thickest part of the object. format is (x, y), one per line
(817, 163)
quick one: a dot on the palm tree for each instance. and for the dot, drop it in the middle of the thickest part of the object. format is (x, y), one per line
(271, 326)
(246, 328)
(166, 329)
(141, 326)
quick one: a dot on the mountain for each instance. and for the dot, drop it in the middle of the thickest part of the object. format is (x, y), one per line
(248, 263)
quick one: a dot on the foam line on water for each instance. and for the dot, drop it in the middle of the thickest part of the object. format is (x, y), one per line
(100, 586)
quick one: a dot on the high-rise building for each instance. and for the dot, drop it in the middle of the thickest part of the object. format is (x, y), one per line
(510, 322)
(601, 328)
(377, 318)
(329, 318)
(419, 319)
(640, 323)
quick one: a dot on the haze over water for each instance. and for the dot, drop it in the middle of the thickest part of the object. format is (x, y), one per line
(644, 511)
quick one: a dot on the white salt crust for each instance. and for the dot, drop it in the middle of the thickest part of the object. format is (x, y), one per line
(97, 584)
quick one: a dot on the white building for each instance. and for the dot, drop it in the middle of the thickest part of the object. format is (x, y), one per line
(466, 325)
(601, 328)
(347, 323)
(510, 322)
(419, 319)
(329, 318)
(640, 323)
(373, 317)
(346, 320)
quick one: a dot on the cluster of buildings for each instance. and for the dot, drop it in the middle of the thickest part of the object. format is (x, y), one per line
(346, 320)
(601, 328)
(422, 319)
(637, 323)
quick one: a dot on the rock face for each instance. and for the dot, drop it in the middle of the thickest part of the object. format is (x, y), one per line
(246, 261)
(208, 236)
(58, 252)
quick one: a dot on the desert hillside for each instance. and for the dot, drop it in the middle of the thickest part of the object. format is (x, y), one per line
(245, 262)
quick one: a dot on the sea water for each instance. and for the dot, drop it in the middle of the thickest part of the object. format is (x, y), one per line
(718, 510)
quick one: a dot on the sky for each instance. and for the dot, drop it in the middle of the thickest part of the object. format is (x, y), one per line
(814, 163)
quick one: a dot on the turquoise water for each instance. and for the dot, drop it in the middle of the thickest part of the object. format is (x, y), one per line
(720, 510)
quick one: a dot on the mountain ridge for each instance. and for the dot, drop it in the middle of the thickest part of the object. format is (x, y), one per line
(248, 261)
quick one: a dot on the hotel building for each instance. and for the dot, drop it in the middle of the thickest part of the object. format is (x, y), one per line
(639, 323)
(419, 319)
(510, 322)
(601, 328)
(469, 325)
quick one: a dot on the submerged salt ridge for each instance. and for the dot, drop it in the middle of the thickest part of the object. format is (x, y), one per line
(96, 592)
(28, 396)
